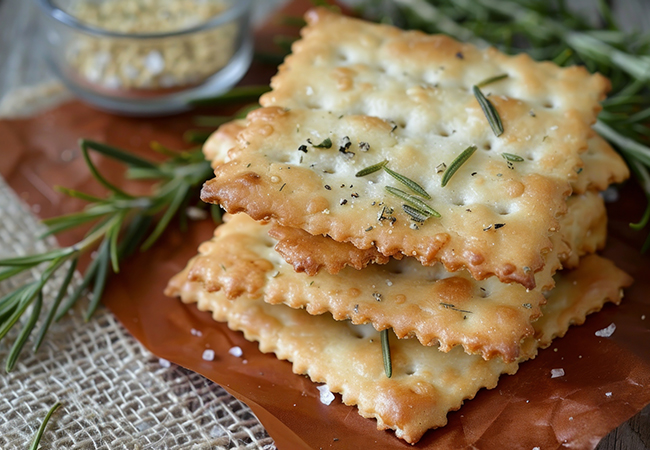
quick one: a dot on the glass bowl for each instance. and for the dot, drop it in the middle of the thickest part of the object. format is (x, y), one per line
(138, 64)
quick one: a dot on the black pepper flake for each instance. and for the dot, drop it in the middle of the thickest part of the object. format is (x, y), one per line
(483, 289)
(499, 225)
(489, 227)
(499, 174)
(440, 168)
(532, 113)
(526, 269)
(343, 201)
(364, 146)
(282, 187)
(511, 166)
(328, 187)
(394, 128)
(377, 296)
(527, 306)
(468, 210)
(300, 159)
(580, 169)
(459, 55)
(342, 185)
(303, 148)
(354, 195)
(356, 309)
(369, 228)
(474, 173)
(346, 143)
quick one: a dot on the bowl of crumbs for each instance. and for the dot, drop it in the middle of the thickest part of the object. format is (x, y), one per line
(147, 57)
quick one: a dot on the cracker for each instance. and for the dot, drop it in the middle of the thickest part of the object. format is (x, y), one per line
(384, 92)
(583, 228)
(426, 384)
(438, 307)
(602, 167)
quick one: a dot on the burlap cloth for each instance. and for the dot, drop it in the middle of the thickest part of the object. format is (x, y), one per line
(115, 393)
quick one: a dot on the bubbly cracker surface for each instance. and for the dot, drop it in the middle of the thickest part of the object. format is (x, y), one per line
(354, 94)
(426, 383)
(436, 306)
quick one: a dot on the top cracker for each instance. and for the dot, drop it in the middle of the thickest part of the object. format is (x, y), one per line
(354, 94)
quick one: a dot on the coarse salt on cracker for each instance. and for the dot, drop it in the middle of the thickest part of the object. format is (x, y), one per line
(436, 306)
(375, 93)
(426, 384)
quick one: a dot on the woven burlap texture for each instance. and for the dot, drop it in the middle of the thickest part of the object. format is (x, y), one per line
(115, 394)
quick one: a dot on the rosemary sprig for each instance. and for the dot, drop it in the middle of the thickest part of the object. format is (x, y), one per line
(456, 163)
(121, 224)
(385, 352)
(41, 429)
(491, 113)
(416, 213)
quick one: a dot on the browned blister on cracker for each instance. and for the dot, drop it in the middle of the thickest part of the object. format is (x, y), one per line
(437, 307)
(353, 95)
(426, 384)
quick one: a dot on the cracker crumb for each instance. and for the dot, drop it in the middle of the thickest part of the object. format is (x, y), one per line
(606, 332)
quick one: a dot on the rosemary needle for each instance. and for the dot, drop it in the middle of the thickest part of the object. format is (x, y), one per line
(511, 157)
(412, 185)
(456, 163)
(491, 113)
(492, 80)
(371, 169)
(385, 351)
(41, 429)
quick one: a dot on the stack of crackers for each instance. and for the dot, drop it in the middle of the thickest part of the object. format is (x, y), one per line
(400, 181)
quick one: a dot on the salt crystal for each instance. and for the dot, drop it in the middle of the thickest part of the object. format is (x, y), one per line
(606, 332)
(195, 213)
(642, 316)
(554, 127)
(608, 394)
(208, 355)
(536, 448)
(154, 62)
(389, 283)
(326, 397)
(309, 90)
(556, 373)
(196, 332)
(236, 351)
(164, 363)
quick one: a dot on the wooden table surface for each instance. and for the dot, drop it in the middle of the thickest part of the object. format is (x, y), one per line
(22, 64)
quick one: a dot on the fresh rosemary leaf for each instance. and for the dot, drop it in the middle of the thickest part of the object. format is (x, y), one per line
(135, 232)
(116, 153)
(91, 270)
(416, 213)
(57, 301)
(490, 111)
(104, 258)
(412, 185)
(181, 192)
(385, 352)
(371, 169)
(113, 235)
(641, 224)
(456, 163)
(511, 157)
(78, 194)
(36, 259)
(85, 145)
(243, 112)
(415, 201)
(237, 94)
(11, 271)
(293, 21)
(9, 302)
(493, 79)
(41, 429)
(24, 333)
(563, 57)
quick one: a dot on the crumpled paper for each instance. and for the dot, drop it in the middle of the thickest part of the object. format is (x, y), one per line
(606, 381)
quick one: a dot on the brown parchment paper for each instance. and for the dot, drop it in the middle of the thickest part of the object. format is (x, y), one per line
(607, 380)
